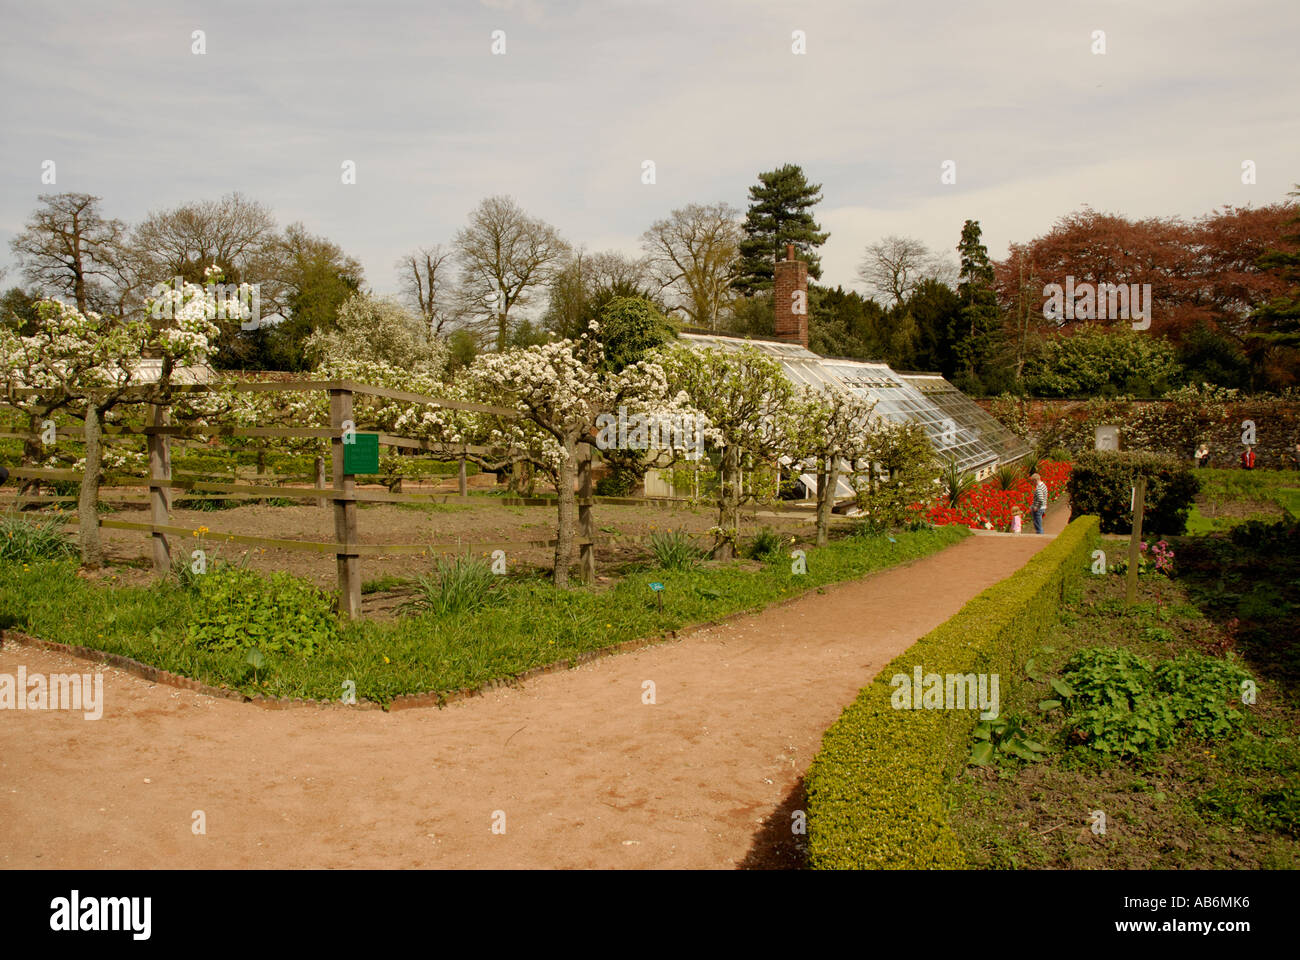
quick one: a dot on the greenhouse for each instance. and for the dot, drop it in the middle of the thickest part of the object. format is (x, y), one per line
(957, 426)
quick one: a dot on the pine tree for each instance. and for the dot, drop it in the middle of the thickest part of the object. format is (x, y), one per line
(978, 323)
(779, 206)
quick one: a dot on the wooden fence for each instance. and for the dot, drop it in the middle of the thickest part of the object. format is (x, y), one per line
(342, 493)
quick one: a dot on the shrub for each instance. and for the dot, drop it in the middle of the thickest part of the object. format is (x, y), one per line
(904, 472)
(237, 609)
(618, 483)
(30, 539)
(875, 789)
(1102, 484)
(674, 550)
(462, 585)
(766, 545)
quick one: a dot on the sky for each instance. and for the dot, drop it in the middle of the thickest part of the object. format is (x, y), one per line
(1036, 123)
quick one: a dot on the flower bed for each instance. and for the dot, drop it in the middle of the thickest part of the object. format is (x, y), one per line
(989, 507)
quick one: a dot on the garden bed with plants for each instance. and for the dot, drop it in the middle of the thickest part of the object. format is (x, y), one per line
(1158, 736)
(462, 626)
(1230, 497)
(992, 504)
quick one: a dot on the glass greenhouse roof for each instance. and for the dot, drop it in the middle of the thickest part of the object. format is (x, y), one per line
(957, 426)
(969, 415)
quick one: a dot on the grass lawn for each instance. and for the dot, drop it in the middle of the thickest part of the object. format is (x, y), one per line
(1227, 801)
(526, 623)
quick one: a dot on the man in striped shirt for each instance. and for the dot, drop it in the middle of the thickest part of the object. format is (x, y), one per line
(1040, 501)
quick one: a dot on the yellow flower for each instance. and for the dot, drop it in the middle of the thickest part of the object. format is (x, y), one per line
(386, 660)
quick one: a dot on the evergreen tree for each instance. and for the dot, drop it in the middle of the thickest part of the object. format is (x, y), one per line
(978, 323)
(936, 310)
(843, 323)
(779, 213)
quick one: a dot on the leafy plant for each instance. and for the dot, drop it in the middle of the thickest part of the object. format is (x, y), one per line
(1003, 737)
(766, 545)
(462, 585)
(236, 609)
(1009, 474)
(183, 563)
(957, 483)
(674, 549)
(1124, 708)
(30, 539)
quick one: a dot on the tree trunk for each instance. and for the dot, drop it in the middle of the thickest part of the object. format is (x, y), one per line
(728, 504)
(31, 458)
(829, 478)
(566, 515)
(92, 551)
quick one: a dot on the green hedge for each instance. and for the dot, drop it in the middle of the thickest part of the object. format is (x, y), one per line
(1102, 484)
(875, 790)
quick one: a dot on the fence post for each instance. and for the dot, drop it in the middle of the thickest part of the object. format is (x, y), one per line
(1135, 541)
(586, 528)
(464, 481)
(160, 475)
(345, 511)
(320, 478)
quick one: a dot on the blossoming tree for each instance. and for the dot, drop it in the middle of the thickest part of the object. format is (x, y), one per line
(749, 404)
(835, 429)
(558, 391)
(94, 361)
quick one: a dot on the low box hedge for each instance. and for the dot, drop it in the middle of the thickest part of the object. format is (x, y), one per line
(875, 789)
(1101, 484)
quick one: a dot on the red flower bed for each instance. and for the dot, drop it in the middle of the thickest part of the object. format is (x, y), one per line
(989, 507)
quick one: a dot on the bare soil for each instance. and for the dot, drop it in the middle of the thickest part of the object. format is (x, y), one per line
(579, 770)
(129, 553)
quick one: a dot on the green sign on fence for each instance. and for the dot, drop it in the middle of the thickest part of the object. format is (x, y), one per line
(362, 455)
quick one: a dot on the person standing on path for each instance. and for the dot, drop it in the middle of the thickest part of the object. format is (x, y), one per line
(1040, 501)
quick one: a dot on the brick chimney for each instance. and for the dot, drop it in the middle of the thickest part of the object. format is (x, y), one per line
(790, 298)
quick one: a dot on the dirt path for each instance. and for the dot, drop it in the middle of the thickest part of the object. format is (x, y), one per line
(585, 773)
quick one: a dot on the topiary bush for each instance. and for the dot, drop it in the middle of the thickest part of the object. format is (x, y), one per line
(875, 789)
(1101, 484)
(238, 609)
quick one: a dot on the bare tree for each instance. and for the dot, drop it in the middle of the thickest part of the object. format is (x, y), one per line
(426, 281)
(894, 266)
(694, 255)
(69, 248)
(231, 232)
(505, 256)
(587, 281)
